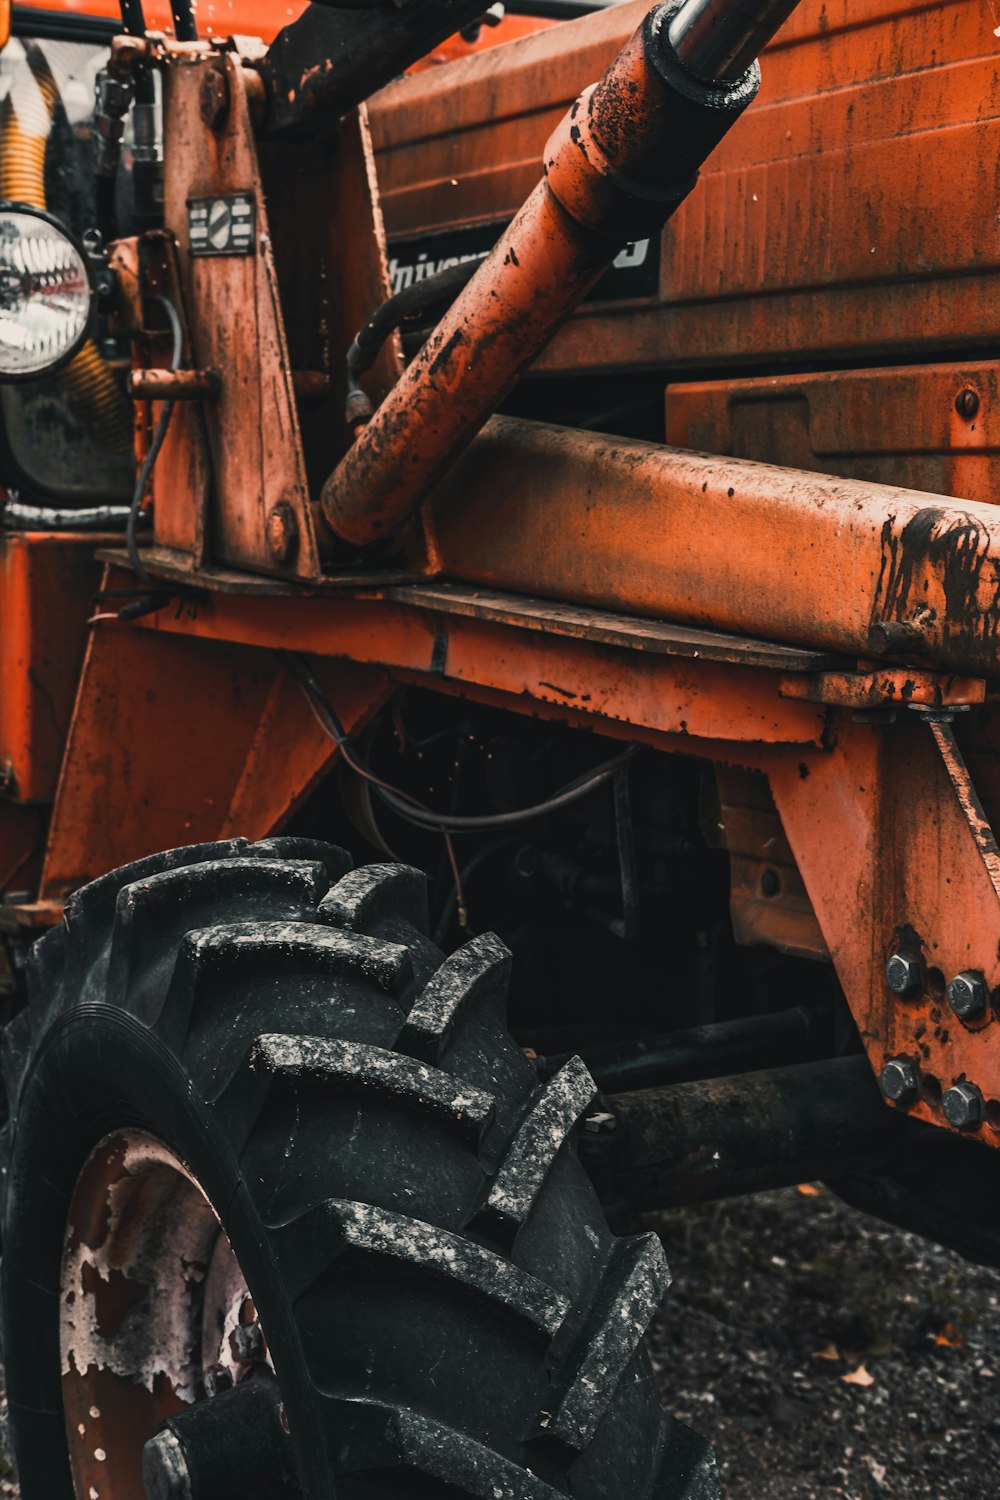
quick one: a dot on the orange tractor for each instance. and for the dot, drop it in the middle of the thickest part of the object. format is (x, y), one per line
(498, 725)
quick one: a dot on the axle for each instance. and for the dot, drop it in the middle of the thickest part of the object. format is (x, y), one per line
(615, 169)
(694, 1142)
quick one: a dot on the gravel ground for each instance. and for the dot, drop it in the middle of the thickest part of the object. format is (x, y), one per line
(826, 1355)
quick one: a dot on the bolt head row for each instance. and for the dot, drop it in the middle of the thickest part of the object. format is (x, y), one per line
(968, 995)
(963, 1105)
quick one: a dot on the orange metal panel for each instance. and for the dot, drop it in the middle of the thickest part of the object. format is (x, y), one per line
(767, 899)
(237, 329)
(176, 741)
(929, 427)
(261, 18)
(290, 751)
(47, 587)
(883, 845)
(661, 693)
(733, 545)
(867, 162)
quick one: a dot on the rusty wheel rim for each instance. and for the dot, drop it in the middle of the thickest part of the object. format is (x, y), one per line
(155, 1313)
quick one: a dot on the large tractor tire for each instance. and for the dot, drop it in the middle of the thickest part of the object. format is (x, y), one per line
(288, 1211)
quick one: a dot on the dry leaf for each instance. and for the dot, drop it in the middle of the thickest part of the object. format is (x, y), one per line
(949, 1337)
(860, 1376)
(808, 1191)
(830, 1352)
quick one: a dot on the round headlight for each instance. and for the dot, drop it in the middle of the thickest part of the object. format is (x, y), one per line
(46, 293)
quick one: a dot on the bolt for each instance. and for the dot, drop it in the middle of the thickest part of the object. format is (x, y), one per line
(895, 638)
(165, 1473)
(247, 1339)
(770, 882)
(900, 1083)
(282, 534)
(217, 1380)
(600, 1122)
(963, 1106)
(904, 974)
(247, 1343)
(967, 403)
(967, 995)
(213, 100)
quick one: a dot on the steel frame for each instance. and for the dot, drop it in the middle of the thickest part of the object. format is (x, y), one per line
(713, 608)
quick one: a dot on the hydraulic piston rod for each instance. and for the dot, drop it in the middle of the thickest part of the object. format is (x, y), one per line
(615, 169)
(719, 39)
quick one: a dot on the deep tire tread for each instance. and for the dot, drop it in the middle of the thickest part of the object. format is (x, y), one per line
(201, 945)
(531, 1155)
(423, 1248)
(475, 975)
(349, 1065)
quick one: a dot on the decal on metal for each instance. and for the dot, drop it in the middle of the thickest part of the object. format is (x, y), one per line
(635, 272)
(222, 226)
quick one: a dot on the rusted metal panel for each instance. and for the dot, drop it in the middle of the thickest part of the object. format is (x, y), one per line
(767, 899)
(733, 546)
(658, 636)
(888, 856)
(607, 684)
(177, 741)
(48, 583)
(930, 427)
(329, 282)
(236, 328)
(843, 178)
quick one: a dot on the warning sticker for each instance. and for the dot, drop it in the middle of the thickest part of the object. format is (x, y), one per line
(222, 226)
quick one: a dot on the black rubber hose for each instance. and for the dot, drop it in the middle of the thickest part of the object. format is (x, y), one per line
(431, 293)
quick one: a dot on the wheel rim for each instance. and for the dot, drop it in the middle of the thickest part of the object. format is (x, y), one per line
(155, 1313)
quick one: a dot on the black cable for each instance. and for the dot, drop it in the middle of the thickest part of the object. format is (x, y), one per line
(159, 436)
(439, 290)
(185, 25)
(410, 809)
(133, 19)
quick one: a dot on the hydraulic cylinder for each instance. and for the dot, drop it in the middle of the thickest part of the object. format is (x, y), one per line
(615, 169)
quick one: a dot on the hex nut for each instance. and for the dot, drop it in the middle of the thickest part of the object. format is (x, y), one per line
(282, 534)
(963, 1106)
(217, 1380)
(601, 1122)
(247, 1343)
(968, 995)
(900, 1081)
(905, 974)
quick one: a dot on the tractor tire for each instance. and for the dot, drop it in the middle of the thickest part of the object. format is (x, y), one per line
(245, 1065)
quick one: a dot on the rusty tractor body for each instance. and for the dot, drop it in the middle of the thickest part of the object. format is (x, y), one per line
(567, 463)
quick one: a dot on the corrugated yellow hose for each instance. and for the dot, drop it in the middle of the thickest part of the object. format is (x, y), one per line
(25, 126)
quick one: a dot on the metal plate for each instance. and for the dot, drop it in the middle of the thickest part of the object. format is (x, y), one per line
(225, 225)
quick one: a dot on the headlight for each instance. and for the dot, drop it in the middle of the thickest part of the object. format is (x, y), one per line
(46, 293)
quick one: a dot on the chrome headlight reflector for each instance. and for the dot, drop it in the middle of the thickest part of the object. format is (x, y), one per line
(47, 293)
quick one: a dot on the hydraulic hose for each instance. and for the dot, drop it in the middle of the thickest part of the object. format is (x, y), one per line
(26, 117)
(614, 170)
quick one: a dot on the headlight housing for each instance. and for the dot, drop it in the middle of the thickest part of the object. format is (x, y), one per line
(47, 293)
